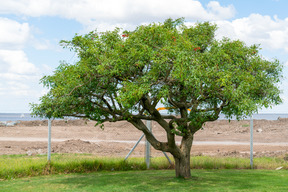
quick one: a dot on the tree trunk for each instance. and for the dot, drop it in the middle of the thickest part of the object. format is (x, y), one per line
(182, 166)
(182, 161)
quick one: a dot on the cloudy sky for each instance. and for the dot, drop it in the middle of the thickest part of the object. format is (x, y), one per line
(30, 31)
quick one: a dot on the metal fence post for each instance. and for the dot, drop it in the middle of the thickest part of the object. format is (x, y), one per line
(49, 141)
(134, 147)
(148, 146)
(251, 141)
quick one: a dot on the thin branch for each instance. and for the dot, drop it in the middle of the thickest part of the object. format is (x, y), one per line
(113, 102)
(139, 116)
(107, 103)
(79, 86)
(102, 108)
(170, 100)
(115, 119)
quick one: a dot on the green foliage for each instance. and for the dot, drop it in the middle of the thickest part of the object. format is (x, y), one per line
(125, 76)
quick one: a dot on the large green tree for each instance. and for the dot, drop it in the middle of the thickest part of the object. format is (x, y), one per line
(128, 75)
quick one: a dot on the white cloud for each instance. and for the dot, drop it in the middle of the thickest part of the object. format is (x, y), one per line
(26, 7)
(218, 12)
(17, 74)
(114, 11)
(13, 34)
(6, 76)
(14, 88)
(271, 33)
(18, 88)
(16, 61)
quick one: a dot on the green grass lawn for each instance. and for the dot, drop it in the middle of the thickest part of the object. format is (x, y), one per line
(155, 180)
(86, 172)
(17, 166)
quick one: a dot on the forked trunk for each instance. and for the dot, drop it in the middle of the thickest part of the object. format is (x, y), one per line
(182, 166)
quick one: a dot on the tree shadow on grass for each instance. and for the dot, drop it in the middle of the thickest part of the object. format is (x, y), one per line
(201, 180)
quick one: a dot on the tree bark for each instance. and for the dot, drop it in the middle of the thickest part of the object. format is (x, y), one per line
(180, 153)
(182, 162)
(182, 166)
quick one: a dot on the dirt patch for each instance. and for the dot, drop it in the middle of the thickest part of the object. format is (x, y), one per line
(81, 136)
(78, 122)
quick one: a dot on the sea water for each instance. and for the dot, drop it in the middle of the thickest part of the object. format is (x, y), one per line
(17, 117)
(28, 117)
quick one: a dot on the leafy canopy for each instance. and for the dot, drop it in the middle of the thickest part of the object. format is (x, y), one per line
(126, 76)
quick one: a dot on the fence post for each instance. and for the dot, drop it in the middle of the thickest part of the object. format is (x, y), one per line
(134, 147)
(251, 141)
(49, 141)
(148, 146)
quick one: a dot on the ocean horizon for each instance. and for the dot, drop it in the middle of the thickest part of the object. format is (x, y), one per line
(18, 117)
(28, 117)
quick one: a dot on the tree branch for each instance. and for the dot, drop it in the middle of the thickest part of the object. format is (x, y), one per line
(79, 86)
(149, 136)
(163, 146)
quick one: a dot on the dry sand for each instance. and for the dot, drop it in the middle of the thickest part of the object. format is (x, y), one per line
(219, 138)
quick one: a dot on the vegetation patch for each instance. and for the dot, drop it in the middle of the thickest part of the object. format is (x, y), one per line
(16, 166)
(155, 180)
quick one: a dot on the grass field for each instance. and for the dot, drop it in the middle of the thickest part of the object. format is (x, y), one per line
(85, 172)
(155, 180)
(17, 166)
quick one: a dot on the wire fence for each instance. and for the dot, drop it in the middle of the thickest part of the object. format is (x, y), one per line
(219, 138)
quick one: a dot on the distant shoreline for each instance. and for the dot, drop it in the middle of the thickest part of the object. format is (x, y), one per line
(27, 117)
(18, 117)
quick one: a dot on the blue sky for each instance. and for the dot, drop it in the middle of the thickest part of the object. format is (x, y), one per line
(31, 30)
